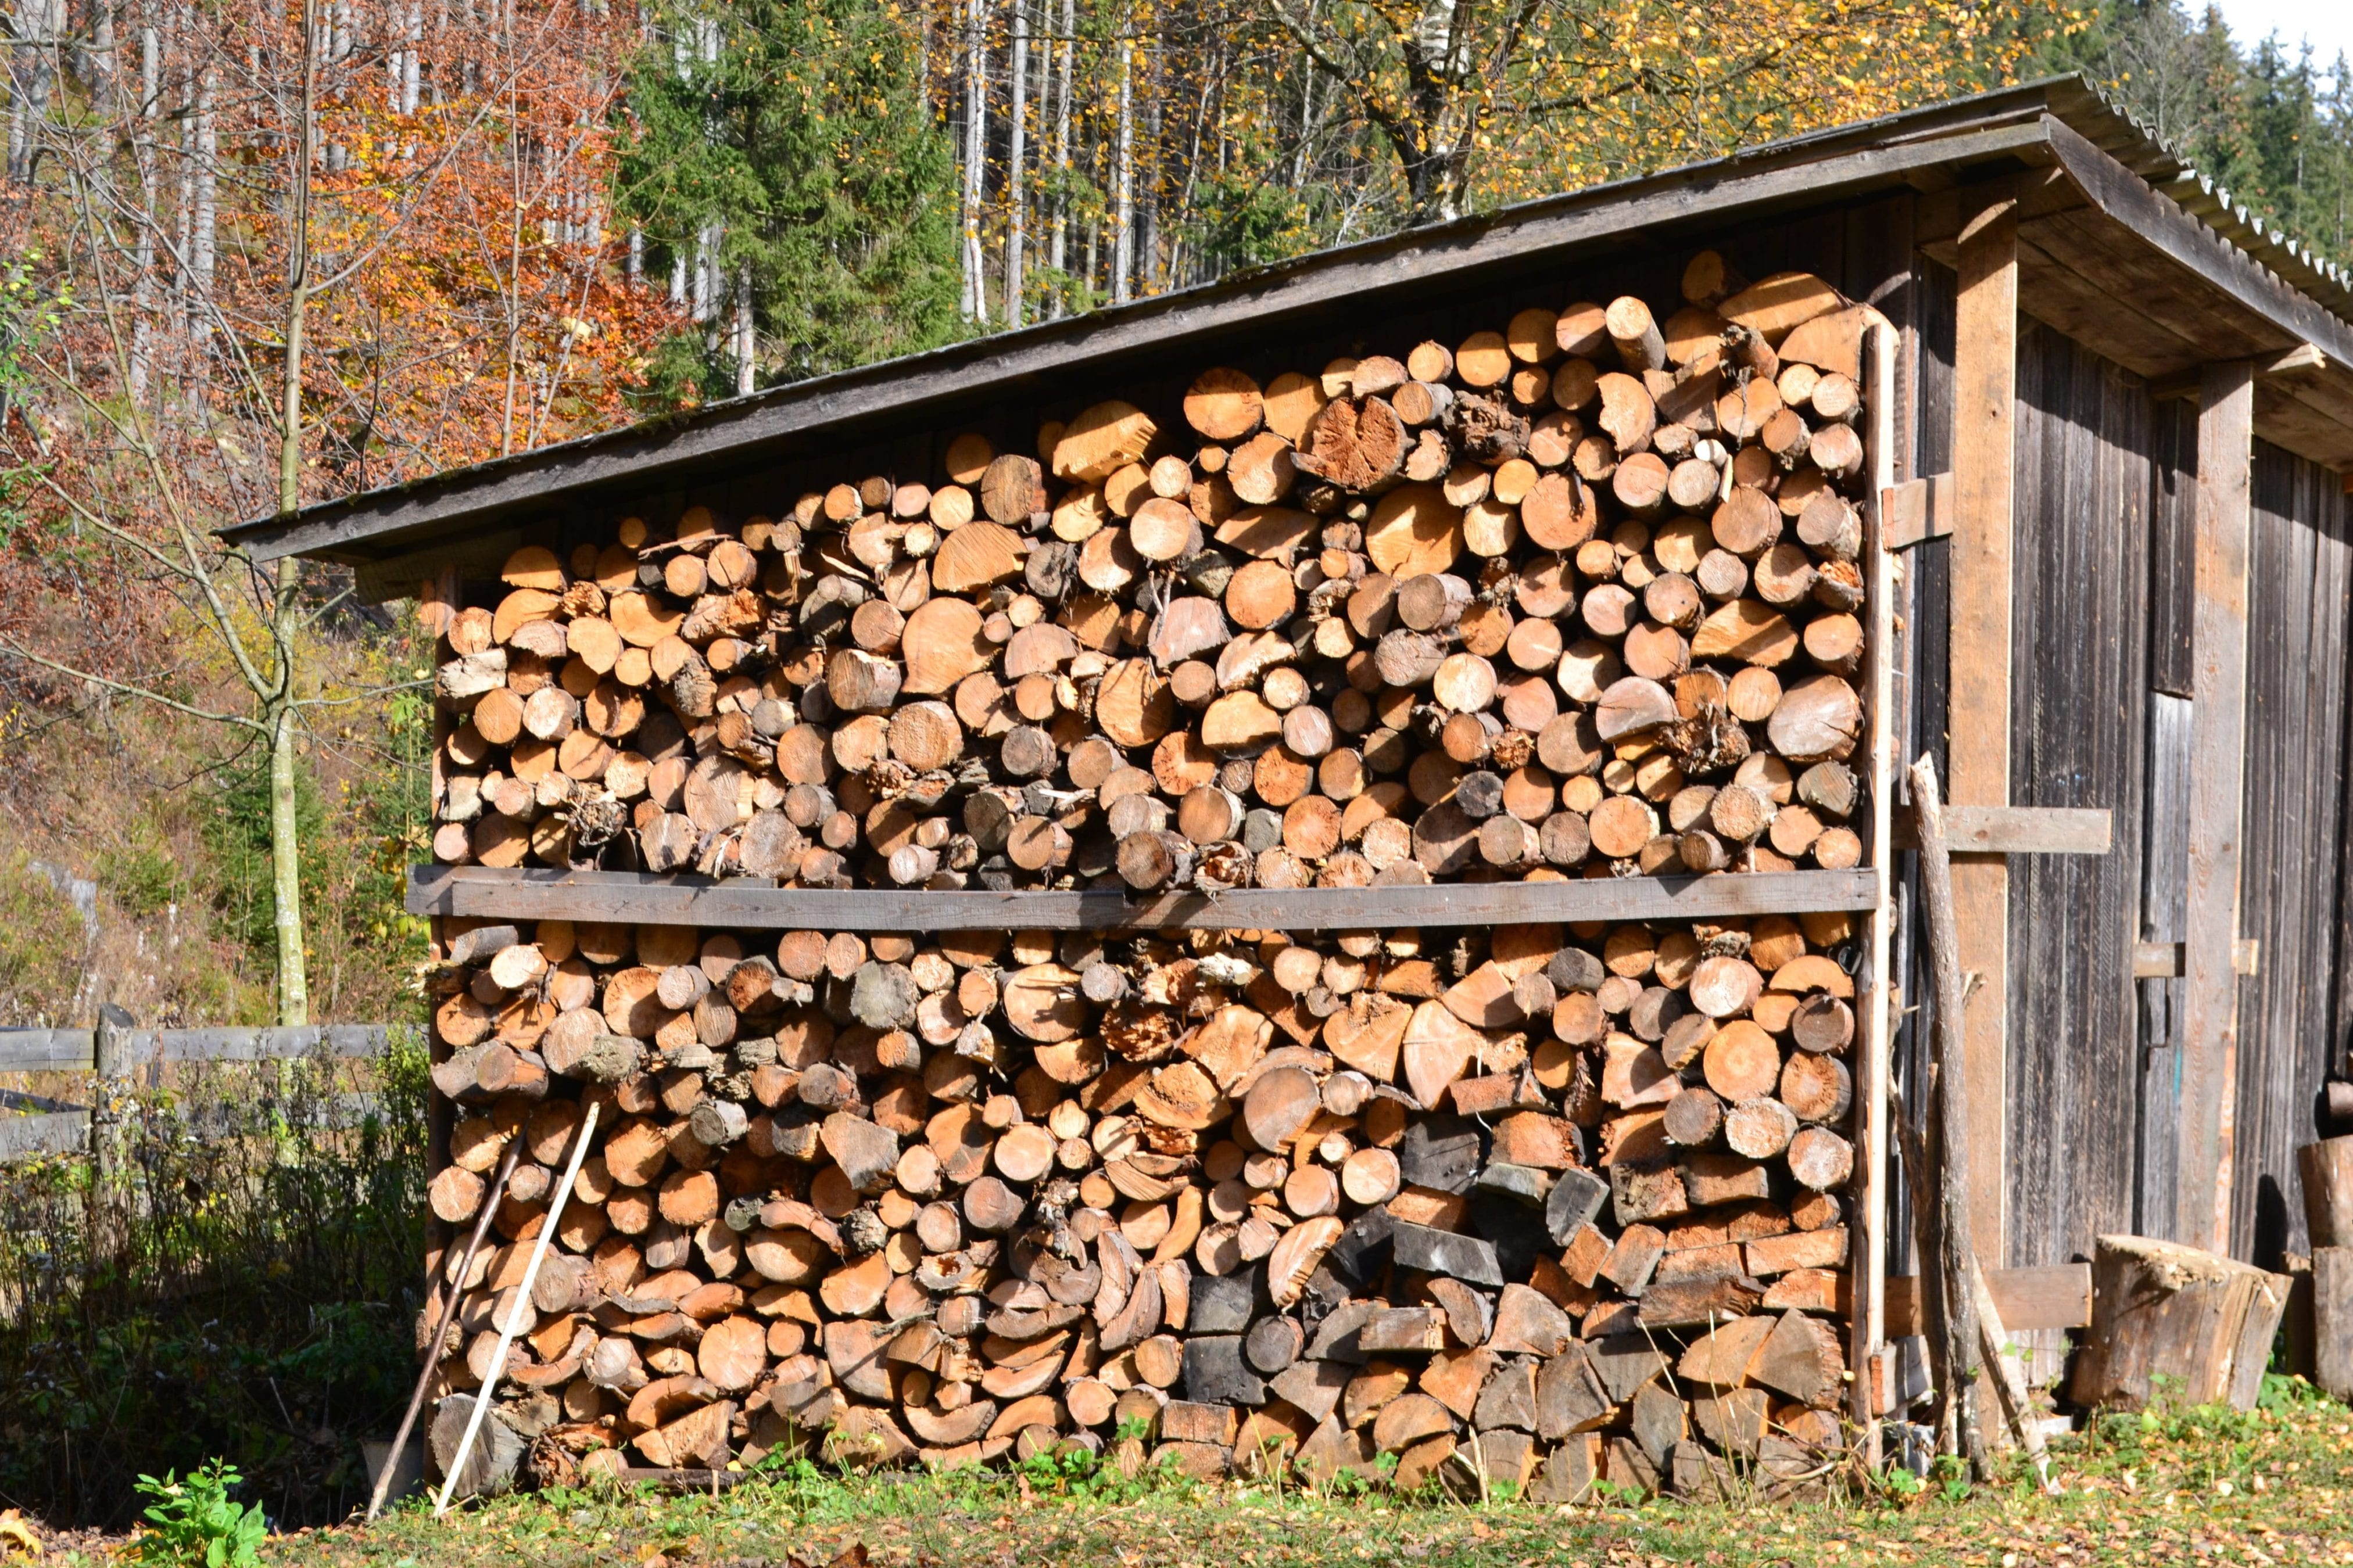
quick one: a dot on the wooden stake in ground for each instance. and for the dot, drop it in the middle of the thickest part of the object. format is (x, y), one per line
(1948, 1132)
(446, 1315)
(521, 1305)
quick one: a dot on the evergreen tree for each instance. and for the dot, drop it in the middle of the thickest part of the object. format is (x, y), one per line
(785, 171)
(2275, 130)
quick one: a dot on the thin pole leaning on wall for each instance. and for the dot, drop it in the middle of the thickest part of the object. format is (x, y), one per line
(508, 1330)
(445, 1317)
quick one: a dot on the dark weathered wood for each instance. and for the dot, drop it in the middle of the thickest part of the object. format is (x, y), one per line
(2078, 621)
(2217, 763)
(2292, 901)
(1984, 467)
(2058, 1296)
(2016, 830)
(628, 896)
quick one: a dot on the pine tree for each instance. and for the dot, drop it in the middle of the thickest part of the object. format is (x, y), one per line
(2272, 128)
(786, 172)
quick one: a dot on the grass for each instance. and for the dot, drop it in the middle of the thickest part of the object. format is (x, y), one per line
(2274, 1486)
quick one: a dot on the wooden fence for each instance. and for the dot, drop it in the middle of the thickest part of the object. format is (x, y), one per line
(119, 1051)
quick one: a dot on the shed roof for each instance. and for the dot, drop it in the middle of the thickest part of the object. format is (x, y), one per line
(2122, 246)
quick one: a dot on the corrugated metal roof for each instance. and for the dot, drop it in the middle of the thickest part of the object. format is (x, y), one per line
(2104, 120)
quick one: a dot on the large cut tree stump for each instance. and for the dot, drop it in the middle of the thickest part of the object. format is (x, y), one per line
(2170, 1323)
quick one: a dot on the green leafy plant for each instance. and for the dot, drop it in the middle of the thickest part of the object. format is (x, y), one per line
(194, 1521)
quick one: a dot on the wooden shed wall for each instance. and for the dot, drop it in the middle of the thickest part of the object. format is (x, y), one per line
(2290, 900)
(2079, 664)
(2106, 492)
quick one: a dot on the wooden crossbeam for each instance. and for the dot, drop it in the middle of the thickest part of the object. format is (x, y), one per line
(751, 903)
(2016, 830)
(2055, 1298)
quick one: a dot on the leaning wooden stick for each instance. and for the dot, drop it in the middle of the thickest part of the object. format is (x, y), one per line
(508, 1330)
(2008, 1385)
(1948, 1132)
(445, 1315)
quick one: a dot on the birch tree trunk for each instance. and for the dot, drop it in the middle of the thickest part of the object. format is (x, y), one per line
(277, 706)
(1058, 254)
(746, 359)
(1015, 232)
(1123, 244)
(976, 152)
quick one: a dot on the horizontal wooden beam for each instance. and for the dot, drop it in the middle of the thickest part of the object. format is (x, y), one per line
(75, 1050)
(1917, 509)
(33, 1137)
(752, 904)
(2185, 383)
(2014, 830)
(2054, 1298)
(2167, 961)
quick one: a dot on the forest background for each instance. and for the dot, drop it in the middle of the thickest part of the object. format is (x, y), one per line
(260, 257)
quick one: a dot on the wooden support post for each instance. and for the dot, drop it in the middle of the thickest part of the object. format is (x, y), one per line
(1985, 388)
(109, 1192)
(2208, 1044)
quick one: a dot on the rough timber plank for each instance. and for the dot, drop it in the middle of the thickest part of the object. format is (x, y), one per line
(741, 904)
(53, 1132)
(2290, 1017)
(2209, 1045)
(2017, 830)
(2079, 631)
(2059, 1297)
(1985, 416)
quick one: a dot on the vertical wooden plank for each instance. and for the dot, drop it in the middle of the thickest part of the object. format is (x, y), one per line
(1871, 1089)
(2164, 877)
(2292, 816)
(1985, 415)
(2209, 1038)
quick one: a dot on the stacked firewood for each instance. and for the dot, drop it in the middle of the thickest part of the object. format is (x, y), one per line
(1581, 595)
(1532, 1204)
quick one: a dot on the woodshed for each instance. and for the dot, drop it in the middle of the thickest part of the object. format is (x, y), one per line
(1320, 862)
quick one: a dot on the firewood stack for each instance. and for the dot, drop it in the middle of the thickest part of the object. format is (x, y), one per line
(1533, 1204)
(1577, 597)
(1558, 1203)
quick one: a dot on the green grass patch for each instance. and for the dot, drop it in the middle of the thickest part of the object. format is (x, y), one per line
(2274, 1486)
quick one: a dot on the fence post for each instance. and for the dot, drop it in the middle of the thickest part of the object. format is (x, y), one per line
(110, 1189)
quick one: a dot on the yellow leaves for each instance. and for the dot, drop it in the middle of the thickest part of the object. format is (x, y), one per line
(18, 1541)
